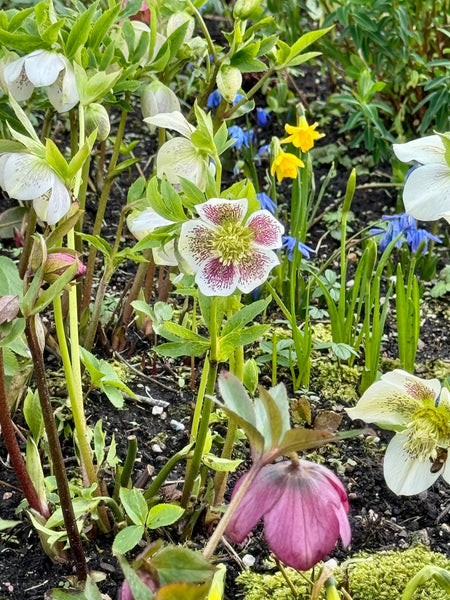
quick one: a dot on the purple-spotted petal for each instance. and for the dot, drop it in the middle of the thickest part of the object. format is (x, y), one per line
(218, 211)
(268, 230)
(216, 279)
(259, 498)
(255, 268)
(195, 243)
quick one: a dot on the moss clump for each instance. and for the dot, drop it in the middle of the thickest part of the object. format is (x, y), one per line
(332, 380)
(376, 576)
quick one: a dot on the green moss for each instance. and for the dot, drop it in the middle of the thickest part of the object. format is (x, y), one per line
(371, 576)
(333, 380)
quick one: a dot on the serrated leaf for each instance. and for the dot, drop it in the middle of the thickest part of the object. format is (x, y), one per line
(163, 514)
(80, 30)
(176, 564)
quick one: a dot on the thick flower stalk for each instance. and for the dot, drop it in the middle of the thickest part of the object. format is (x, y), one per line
(304, 507)
(228, 251)
(302, 135)
(426, 194)
(42, 68)
(418, 410)
(25, 176)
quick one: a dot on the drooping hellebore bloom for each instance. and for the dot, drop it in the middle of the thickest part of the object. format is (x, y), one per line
(418, 410)
(158, 98)
(426, 194)
(227, 251)
(146, 222)
(286, 164)
(25, 176)
(143, 14)
(302, 135)
(42, 68)
(304, 507)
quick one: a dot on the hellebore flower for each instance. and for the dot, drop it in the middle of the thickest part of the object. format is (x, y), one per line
(262, 116)
(58, 262)
(227, 251)
(285, 164)
(426, 194)
(143, 14)
(266, 202)
(304, 507)
(303, 135)
(418, 410)
(179, 157)
(407, 226)
(158, 98)
(145, 223)
(25, 176)
(289, 243)
(42, 68)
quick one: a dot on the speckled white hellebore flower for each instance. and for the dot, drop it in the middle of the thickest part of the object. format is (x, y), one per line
(179, 157)
(418, 410)
(143, 224)
(426, 194)
(227, 251)
(25, 176)
(42, 68)
(158, 98)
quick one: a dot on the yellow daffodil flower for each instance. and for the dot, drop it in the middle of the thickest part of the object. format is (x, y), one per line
(303, 135)
(285, 165)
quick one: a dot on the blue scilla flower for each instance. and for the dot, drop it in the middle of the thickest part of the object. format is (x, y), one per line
(266, 202)
(415, 237)
(237, 98)
(264, 149)
(289, 244)
(262, 116)
(406, 226)
(240, 137)
(214, 99)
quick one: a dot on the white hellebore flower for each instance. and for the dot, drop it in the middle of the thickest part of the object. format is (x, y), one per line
(427, 188)
(145, 223)
(179, 157)
(418, 410)
(227, 251)
(42, 68)
(25, 176)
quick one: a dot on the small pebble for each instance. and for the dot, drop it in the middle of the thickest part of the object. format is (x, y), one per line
(249, 560)
(157, 410)
(156, 448)
(177, 425)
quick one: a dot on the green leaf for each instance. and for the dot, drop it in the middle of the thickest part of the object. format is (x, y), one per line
(240, 338)
(33, 414)
(10, 281)
(98, 243)
(182, 332)
(220, 464)
(80, 30)
(7, 524)
(55, 289)
(55, 159)
(127, 538)
(306, 40)
(138, 588)
(11, 331)
(134, 504)
(175, 349)
(163, 514)
(245, 315)
(305, 439)
(176, 564)
(114, 395)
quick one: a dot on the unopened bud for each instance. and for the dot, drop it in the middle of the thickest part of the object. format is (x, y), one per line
(97, 118)
(250, 378)
(229, 81)
(158, 98)
(58, 262)
(349, 192)
(243, 8)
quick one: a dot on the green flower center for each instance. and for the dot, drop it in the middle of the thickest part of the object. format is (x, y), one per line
(233, 243)
(428, 431)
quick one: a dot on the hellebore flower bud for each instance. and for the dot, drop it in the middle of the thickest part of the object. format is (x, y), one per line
(243, 8)
(58, 262)
(158, 98)
(97, 118)
(229, 81)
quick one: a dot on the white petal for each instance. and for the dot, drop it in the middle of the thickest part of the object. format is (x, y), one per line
(43, 67)
(19, 86)
(426, 150)
(3, 159)
(179, 158)
(26, 176)
(59, 202)
(216, 279)
(172, 120)
(63, 94)
(218, 211)
(268, 230)
(195, 242)
(147, 221)
(392, 400)
(427, 192)
(446, 472)
(256, 268)
(165, 255)
(404, 475)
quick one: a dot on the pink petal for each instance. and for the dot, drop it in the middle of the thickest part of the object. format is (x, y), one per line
(260, 497)
(218, 211)
(254, 269)
(307, 520)
(195, 243)
(216, 279)
(268, 230)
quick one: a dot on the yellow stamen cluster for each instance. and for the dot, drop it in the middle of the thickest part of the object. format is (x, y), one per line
(428, 430)
(232, 243)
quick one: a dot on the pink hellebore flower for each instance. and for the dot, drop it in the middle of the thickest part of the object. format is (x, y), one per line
(58, 262)
(227, 251)
(143, 13)
(304, 507)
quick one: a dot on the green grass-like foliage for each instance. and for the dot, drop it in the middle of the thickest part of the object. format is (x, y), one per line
(372, 576)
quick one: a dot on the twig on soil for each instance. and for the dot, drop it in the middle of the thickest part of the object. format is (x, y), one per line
(147, 400)
(117, 356)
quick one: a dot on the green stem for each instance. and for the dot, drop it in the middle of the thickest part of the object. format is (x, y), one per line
(192, 469)
(70, 523)
(129, 461)
(162, 475)
(205, 30)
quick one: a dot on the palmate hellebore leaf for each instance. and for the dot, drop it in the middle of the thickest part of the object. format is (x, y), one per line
(265, 420)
